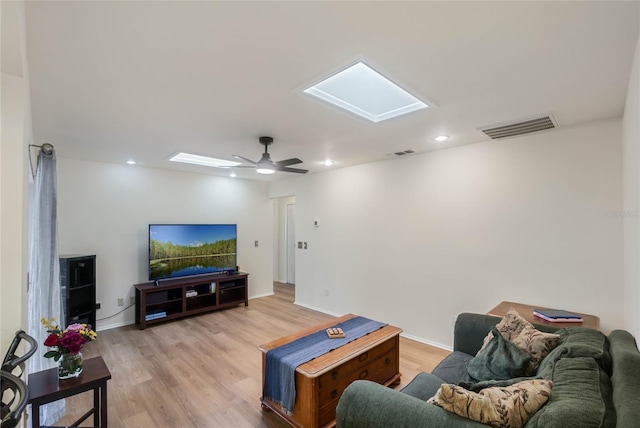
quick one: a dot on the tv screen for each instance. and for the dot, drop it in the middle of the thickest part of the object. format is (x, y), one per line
(191, 249)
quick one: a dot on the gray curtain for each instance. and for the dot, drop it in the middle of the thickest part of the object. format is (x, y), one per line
(44, 270)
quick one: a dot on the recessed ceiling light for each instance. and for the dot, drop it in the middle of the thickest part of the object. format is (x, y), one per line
(328, 162)
(441, 138)
(203, 160)
(265, 171)
(131, 162)
(365, 92)
(232, 174)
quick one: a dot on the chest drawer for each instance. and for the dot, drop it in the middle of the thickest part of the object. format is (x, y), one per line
(357, 362)
(379, 370)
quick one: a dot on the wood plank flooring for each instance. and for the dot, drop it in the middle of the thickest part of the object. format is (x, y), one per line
(205, 371)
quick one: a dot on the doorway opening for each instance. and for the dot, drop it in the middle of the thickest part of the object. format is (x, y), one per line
(284, 254)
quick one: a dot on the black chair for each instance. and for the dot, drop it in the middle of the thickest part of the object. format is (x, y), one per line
(11, 360)
(16, 394)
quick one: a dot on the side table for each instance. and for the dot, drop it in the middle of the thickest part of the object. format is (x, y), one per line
(45, 387)
(526, 311)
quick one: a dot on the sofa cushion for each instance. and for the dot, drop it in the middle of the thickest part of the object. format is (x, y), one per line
(581, 397)
(510, 406)
(500, 359)
(453, 369)
(423, 386)
(578, 342)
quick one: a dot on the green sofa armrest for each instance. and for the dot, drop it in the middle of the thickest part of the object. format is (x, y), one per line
(371, 405)
(624, 379)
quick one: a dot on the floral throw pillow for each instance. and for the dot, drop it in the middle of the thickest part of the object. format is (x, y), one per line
(509, 326)
(523, 334)
(500, 407)
(537, 344)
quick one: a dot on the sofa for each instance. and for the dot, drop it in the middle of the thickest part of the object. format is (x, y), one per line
(595, 383)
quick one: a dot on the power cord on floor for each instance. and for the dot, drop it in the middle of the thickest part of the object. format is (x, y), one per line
(117, 313)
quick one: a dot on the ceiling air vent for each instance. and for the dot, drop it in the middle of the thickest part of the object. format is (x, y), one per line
(404, 153)
(512, 129)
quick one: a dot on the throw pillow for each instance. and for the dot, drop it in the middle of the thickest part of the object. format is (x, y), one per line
(507, 407)
(537, 344)
(509, 326)
(523, 334)
(500, 359)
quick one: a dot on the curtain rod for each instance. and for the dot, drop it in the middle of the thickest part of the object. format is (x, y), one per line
(46, 148)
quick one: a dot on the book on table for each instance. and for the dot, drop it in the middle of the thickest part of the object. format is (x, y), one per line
(557, 315)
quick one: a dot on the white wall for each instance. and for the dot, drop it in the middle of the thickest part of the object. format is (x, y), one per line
(15, 122)
(105, 209)
(631, 213)
(415, 241)
(13, 210)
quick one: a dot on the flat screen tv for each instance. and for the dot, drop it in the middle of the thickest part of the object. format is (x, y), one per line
(191, 249)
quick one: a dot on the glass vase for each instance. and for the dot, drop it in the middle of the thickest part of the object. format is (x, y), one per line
(70, 366)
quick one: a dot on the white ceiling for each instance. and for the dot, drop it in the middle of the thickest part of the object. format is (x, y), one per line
(112, 81)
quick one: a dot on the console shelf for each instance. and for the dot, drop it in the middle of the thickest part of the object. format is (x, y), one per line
(181, 297)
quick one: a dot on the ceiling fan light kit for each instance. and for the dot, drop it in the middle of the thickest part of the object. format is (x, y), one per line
(266, 166)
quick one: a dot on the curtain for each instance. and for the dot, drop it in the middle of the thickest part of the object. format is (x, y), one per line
(44, 270)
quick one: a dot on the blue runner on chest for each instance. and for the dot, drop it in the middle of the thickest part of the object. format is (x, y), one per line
(281, 362)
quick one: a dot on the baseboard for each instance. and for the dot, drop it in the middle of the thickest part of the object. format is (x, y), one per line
(115, 325)
(257, 296)
(427, 342)
(405, 335)
(313, 308)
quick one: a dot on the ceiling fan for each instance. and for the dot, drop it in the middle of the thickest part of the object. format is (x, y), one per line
(266, 166)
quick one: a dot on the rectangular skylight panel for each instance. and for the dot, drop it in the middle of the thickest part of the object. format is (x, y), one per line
(203, 160)
(363, 91)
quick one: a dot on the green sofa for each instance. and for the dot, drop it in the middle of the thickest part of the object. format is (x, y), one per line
(596, 383)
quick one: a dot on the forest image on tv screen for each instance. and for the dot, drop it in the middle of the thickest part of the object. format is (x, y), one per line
(191, 249)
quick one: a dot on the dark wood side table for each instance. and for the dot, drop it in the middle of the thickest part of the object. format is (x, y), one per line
(526, 311)
(45, 387)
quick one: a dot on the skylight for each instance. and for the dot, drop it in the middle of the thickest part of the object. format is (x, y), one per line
(203, 160)
(365, 92)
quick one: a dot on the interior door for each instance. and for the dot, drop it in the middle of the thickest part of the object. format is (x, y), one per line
(291, 243)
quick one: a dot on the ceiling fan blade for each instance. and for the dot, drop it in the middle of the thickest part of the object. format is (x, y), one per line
(237, 166)
(245, 159)
(287, 162)
(296, 170)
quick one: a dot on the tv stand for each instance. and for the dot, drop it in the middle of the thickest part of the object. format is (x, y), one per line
(180, 297)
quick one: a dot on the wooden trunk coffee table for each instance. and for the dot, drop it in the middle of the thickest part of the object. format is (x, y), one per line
(321, 381)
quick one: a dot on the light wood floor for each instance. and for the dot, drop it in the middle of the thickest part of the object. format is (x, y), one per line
(205, 371)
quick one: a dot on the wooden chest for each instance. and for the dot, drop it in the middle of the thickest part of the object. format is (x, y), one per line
(321, 381)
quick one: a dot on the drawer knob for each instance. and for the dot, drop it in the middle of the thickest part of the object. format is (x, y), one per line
(387, 361)
(334, 394)
(334, 374)
(363, 356)
(364, 374)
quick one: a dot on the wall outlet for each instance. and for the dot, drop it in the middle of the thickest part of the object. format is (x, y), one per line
(132, 300)
(120, 301)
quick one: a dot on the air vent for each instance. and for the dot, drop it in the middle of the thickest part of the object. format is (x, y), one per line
(519, 128)
(404, 153)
